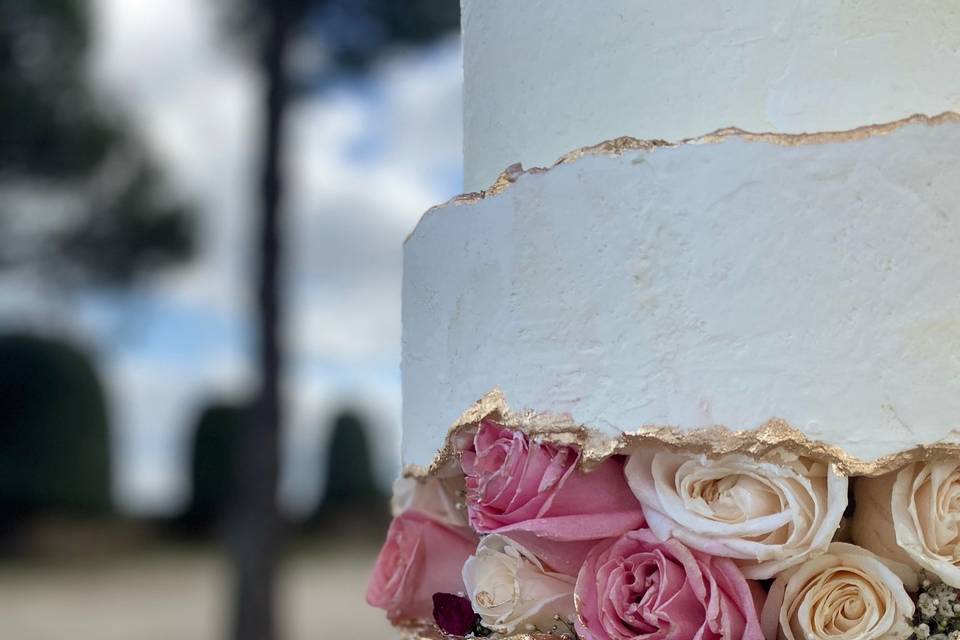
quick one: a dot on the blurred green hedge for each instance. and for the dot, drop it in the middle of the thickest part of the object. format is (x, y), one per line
(349, 478)
(54, 433)
(213, 465)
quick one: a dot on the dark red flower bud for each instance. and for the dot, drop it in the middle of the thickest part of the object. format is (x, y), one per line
(453, 613)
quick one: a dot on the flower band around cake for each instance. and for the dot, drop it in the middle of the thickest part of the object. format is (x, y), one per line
(513, 531)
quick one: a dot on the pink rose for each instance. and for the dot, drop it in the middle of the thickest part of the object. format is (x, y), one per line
(421, 557)
(639, 587)
(534, 492)
(439, 496)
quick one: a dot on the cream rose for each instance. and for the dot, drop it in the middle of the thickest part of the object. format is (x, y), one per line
(440, 497)
(765, 516)
(511, 589)
(848, 593)
(913, 515)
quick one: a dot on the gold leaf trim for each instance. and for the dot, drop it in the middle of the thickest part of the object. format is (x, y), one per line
(763, 443)
(427, 631)
(619, 146)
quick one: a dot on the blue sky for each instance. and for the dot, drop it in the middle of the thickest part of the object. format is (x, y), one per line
(367, 157)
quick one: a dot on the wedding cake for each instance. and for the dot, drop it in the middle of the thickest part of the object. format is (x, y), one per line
(685, 362)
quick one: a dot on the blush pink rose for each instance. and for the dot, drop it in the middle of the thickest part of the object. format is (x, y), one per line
(639, 587)
(421, 557)
(534, 492)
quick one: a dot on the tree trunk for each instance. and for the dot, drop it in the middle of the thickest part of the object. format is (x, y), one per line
(255, 531)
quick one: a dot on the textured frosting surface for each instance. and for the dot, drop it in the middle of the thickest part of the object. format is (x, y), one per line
(725, 283)
(546, 76)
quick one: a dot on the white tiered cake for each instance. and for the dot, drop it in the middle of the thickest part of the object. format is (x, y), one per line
(745, 244)
(722, 279)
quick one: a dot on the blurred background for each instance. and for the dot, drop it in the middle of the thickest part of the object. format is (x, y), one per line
(202, 206)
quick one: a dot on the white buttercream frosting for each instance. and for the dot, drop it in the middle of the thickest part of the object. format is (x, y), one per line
(726, 283)
(546, 76)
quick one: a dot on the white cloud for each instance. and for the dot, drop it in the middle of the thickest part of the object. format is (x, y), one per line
(365, 160)
(363, 171)
(195, 103)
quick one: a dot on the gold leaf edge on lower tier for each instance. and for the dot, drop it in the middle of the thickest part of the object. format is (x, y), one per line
(427, 631)
(619, 146)
(761, 443)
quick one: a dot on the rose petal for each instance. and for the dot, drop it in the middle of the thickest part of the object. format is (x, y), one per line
(639, 586)
(517, 485)
(419, 558)
(807, 601)
(510, 586)
(909, 517)
(765, 516)
(453, 614)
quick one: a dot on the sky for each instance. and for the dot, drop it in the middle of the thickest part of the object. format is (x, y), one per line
(366, 158)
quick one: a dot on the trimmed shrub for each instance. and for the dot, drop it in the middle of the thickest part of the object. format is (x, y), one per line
(351, 500)
(54, 434)
(213, 464)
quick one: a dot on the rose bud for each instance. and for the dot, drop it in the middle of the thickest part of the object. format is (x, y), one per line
(421, 557)
(847, 593)
(913, 516)
(534, 492)
(765, 516)
(640, 587)
(512, 590)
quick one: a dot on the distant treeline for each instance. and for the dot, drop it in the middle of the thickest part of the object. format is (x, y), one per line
(55, 452)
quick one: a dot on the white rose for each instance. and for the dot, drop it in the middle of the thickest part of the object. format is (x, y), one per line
(913, 515)
(848, 593)
(765, 516)
(439, 497)
(511, 589)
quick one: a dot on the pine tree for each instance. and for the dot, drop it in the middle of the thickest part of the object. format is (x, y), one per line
(81, 201)
(354, 33)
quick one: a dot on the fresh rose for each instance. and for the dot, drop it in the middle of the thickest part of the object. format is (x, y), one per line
(640, 587)
(913, 515)
(512, 590)
(453, 614)
(440, 497)
(871, 526)
(847, 593)
(421, 557)
(765, 516)
(534, 491)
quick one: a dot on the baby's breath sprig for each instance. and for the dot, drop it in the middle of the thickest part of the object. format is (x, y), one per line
(564, 628)
(479, 630)
(937, 616)
(561, 629)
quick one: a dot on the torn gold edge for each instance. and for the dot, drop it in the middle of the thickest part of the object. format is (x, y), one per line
(762, 443)
(425, 631)
(623, 144)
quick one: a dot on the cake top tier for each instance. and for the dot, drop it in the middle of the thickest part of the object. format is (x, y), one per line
(543, 77)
